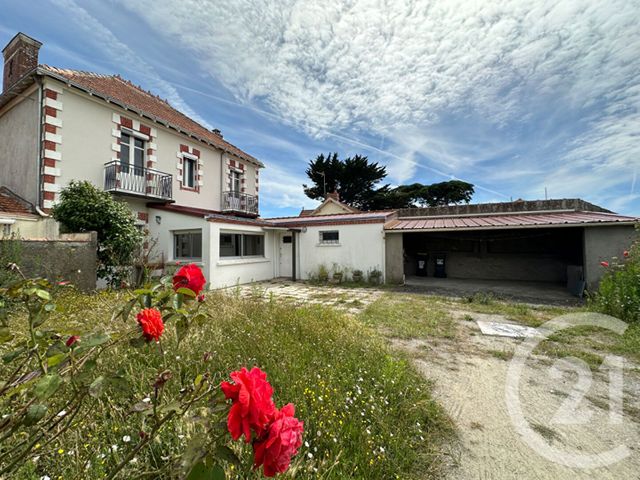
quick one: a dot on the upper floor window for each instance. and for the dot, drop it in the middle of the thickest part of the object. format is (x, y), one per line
(187, 245)
(189, 171)
(330, 237)
(131, 154)
(235, 181)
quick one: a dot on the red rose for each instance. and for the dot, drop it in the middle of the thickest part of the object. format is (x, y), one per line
(253, 407)
(604, 264)
(150, 320)
(191, 277)
(72, 339)
(625, 253)
(282, 442)
(201, 297)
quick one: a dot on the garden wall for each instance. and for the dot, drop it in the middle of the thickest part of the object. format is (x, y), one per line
(70, 257)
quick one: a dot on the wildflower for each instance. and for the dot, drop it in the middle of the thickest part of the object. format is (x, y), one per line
(253, 407)
(150, 321)
(604, 264)
(72, 340)
(126, 439)
(191, 277)
(201, 298)
(625, 254)
(62, 413)
(284, 438)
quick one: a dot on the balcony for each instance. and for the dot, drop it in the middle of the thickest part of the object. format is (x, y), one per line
(137, 181)
(239, 203)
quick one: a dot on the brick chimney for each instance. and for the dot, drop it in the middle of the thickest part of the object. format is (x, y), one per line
(20, 57)
(335, 195)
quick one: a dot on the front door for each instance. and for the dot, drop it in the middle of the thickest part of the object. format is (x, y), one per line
(286, 240)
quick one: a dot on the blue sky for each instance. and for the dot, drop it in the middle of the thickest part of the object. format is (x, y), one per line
(513, 96)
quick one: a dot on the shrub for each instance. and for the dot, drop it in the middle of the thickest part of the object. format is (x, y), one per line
(619, 292)
(56, 378)
(10, 253)
(84, 208)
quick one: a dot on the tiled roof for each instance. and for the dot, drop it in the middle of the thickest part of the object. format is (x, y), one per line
(122, 91)
(11, 203)
(335, 219)
(506, 220)
(211, 215)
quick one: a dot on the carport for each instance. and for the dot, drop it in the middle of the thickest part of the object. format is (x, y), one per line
(554, 246)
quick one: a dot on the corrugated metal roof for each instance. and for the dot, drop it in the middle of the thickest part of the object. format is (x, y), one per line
(501, 221)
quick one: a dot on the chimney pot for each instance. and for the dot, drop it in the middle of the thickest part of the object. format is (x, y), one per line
(20, 57)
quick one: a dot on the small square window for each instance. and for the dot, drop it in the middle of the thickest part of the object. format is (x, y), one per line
(287, 239)
(330, 237)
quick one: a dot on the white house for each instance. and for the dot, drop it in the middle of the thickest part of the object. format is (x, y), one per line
(194, 191)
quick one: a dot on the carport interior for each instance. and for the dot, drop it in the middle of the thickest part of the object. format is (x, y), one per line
(528, 254)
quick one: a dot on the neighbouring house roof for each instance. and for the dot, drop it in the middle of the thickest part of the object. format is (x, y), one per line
(562, 218)
(333, 201)
(12, 204)
(335, 219)
(121, 92)
(305, 212)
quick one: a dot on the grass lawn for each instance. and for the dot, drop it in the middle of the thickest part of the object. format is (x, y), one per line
(367, 413)
(422, 316)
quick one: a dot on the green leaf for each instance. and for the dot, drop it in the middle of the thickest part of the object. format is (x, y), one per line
(47, 386)
(186, 291)
(223, 452)
(94, 340)
(138, 342)
(56, 359)
(9, 357)
(143, 291)
(5, 335)
(43, 294)
(95, 389)
(198, 380)
(35, 413)
(206, 470)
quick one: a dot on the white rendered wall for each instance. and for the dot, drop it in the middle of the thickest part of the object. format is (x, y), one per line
(229, 271)
(361, 247)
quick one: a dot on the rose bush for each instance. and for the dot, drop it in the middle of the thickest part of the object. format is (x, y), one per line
(56, 377)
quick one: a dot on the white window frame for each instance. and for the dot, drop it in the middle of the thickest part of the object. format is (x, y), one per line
(189, 181)
(133, 135)
(174, 235)
(322, 241)
(236, 181)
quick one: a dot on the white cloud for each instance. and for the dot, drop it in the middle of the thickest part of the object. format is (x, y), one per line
(122, 55)
(465, 76)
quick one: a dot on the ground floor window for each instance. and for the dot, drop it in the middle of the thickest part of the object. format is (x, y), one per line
(330, 236)
(187, 245)
(241, 245)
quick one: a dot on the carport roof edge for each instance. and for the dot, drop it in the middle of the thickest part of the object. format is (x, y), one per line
(508, 221)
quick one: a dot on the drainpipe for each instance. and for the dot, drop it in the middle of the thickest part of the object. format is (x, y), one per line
(39, 200)
(293, 255)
